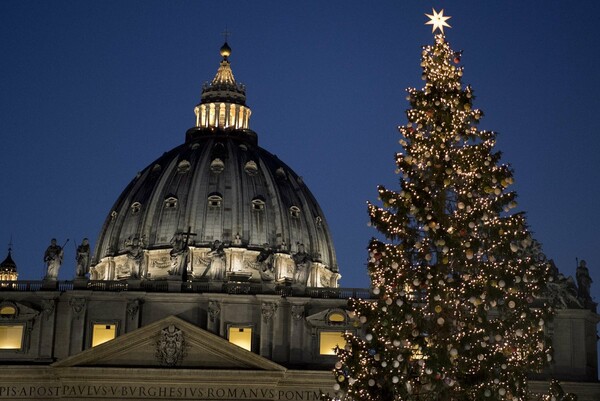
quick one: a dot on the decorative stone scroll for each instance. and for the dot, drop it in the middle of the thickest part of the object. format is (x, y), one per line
(48, 307)
(214, 308)
(133, 306)
(268, 309)
(297, 312)
(77, 306)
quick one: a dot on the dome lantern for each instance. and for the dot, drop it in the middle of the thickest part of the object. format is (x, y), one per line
(223, 100)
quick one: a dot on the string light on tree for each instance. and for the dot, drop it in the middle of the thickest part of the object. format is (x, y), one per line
(457, 273)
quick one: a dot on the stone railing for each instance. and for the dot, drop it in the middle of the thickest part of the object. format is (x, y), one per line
(246, 288)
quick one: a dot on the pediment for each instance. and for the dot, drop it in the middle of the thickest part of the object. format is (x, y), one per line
(170, 343)
(18, 311)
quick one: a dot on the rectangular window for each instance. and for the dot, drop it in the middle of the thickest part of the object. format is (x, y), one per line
(11, 336)
(328, 340)
(103, 332)
(241, 336)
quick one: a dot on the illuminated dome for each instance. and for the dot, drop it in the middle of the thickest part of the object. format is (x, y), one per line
(218, 208)
(8, 268)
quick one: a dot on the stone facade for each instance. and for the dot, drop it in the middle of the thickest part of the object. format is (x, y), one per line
(173, 345)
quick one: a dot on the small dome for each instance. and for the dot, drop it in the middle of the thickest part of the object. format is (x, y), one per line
(8, 265)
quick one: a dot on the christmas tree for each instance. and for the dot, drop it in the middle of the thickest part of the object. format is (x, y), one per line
(457, 273)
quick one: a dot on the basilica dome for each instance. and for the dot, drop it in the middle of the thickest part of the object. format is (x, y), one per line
(218, 208)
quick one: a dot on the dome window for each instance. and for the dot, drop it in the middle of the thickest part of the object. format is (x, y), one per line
(251, 168)
(258, 204)
(280, 173)
(171, 202)
(319, 221)
(295, 212)
(183, 166)
(113, 215)
(217, 166)
(135, 207)
(214, 201)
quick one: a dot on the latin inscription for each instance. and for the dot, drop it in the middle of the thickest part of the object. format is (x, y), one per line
(157, 392)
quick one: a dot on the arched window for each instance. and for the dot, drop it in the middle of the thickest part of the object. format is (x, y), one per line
(222, 112)
(336, 317)
(217, 165)
(295, 212)
(171, 202)
(183, 166)
(251, 168)
(213, 228)
(215, 200)
(8, 310)
(258, 221)
(135, 207)
(258, 203)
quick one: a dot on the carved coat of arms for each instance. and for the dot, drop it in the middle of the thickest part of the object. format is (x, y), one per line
(170, 347)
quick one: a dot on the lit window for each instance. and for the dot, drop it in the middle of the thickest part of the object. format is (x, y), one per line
(211, 116)
(8, 311)
(328, 340)
(241, 336)
(221, 115)
(103, 332)
(231, 119)
(336, 318)
(11, 336)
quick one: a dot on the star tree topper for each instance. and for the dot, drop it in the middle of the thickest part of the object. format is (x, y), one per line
(438, 21)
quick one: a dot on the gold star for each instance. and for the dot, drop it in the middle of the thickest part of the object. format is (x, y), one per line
(437, 20)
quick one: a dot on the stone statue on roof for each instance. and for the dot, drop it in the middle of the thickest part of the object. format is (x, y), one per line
(53, 258)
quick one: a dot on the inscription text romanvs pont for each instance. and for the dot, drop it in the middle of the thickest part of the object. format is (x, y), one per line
(155, 392)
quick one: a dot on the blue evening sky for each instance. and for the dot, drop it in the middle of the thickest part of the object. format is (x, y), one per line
(92, 92)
